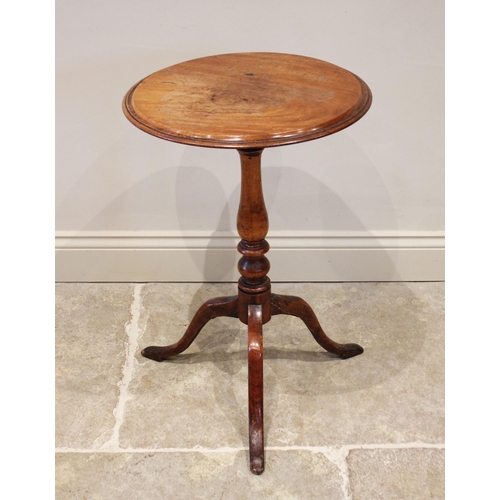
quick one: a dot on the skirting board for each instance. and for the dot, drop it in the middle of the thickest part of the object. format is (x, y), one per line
(137, 257)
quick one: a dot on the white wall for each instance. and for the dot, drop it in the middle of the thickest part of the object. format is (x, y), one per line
(365, 203)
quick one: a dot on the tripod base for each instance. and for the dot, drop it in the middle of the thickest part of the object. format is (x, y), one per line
(254, 310)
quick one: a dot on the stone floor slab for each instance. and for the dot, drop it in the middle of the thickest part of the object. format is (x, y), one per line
(289, 475)
(90, 353)
(392, 393)
(199, 397)
(409, 474)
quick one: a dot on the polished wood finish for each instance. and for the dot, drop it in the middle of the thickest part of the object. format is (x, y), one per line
(254, 287)
(295, 306)
(248, 102)
(255, 389)
(213, 308)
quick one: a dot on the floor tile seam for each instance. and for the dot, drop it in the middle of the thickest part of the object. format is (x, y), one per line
(395, 446)
(133, 331)
(343, 449)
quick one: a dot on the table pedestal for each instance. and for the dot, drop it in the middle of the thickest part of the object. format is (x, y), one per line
(255, 304)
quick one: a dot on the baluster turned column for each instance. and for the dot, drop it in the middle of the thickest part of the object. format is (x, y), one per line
(254, 287)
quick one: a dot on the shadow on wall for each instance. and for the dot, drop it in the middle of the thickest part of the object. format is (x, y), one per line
(295, 201)
(192, 198)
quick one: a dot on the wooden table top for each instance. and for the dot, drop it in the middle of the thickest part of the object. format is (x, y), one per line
(247, 100)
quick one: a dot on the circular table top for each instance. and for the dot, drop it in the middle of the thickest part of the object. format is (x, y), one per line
(247, 100)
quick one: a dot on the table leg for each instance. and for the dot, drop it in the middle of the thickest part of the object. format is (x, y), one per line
(255, 389)
(213, 308)
(295, 306)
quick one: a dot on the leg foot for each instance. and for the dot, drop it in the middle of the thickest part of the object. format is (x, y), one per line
(255, 389)
(220, 306)
(295, 306)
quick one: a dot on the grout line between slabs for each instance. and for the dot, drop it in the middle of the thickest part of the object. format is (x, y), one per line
(229, 449)
(134, 329)
(336, 455)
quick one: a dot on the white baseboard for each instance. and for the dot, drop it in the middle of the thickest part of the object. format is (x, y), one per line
(130, 256)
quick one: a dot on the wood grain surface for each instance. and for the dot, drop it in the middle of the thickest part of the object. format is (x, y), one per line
(247, 100)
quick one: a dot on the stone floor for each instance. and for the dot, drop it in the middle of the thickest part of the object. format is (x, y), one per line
(370, 427)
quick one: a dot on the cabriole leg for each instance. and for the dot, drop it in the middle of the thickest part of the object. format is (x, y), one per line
(295, 306)
(255, 389)
(213, 308)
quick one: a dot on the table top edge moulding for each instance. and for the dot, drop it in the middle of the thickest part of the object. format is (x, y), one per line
(247, 100)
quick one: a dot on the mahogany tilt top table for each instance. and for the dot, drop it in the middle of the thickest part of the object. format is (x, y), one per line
(248, 102)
